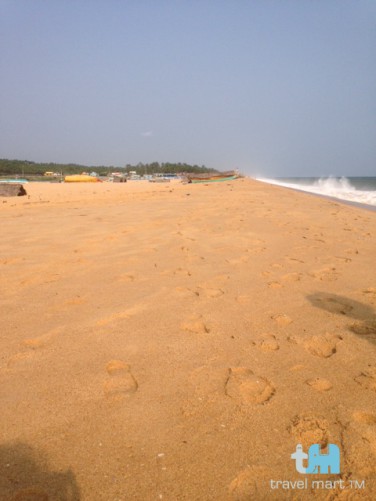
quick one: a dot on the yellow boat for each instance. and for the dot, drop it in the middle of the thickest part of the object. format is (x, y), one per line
(81, 178)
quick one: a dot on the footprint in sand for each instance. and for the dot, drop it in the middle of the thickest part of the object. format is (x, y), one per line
(274, 285)
(182, 271)
(245, 387)
(121, 315)
(43, 340)
(277, 266)
(186, 292)
(323, 346)
(19, 358)
(282, 320)
(209, 292)
(343, 259)
(256, 242)
(294, 259)
(243, 299)
(237, 261)
(127, 277)
(308, 429)
(297, 367)
(367, 378)
(325, 274)
(255, 250)
(368, 418)
(32, 344)
(319, 384)
(351, 251)
(37, 342)
(368, 330)
(292, 277)
(196, 325)
(359, 441)
(121, 381)
(74, 301)
(267, 342)
(252, 483)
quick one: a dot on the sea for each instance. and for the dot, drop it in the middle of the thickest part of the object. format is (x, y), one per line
(355, 190)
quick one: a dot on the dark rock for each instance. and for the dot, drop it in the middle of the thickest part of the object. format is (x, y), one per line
(12, 190)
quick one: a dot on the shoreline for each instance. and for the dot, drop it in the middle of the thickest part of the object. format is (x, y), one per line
(336, 199)
(133, 187)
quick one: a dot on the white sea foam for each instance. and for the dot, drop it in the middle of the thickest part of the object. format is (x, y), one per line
(340, 188)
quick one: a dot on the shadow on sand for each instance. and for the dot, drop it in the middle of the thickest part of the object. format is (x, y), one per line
(341, 305)
(25, 476)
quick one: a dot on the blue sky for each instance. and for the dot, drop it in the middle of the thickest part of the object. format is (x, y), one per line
(272, 87)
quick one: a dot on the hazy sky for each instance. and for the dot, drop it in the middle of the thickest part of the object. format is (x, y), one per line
(272, 87)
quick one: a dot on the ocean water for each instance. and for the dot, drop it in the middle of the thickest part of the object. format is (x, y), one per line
(361, 190)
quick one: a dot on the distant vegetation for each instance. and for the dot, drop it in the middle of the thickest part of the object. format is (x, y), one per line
(27, 168)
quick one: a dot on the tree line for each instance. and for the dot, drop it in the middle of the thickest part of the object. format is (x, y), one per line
(25, 168)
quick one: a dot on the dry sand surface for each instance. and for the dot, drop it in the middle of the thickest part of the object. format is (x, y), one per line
(177, 342)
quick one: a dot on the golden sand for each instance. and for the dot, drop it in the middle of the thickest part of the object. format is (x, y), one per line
(177, 342)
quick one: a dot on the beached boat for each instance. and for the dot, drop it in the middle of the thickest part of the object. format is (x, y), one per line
(81, 178)
(212, 177)
(159, 180)
(119, 179)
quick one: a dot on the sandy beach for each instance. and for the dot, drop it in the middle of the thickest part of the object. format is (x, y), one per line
(176, 342)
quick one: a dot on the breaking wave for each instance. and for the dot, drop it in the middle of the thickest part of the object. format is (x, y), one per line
(340, 188)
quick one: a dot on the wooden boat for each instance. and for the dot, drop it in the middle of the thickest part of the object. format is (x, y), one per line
(81, 178)
(119, 179)
(159, 180)
(212, 177)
